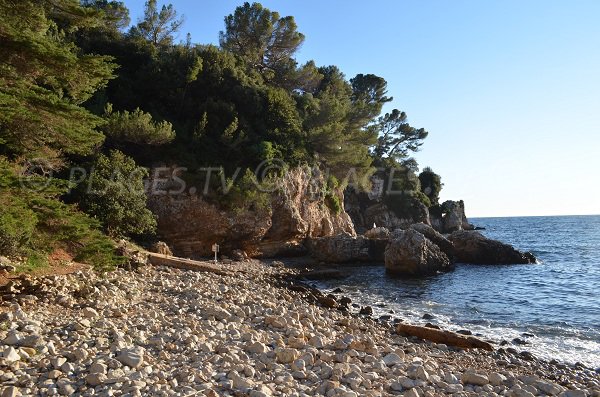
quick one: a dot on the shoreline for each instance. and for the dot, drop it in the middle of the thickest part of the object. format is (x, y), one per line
(521, 339)
(164, 331)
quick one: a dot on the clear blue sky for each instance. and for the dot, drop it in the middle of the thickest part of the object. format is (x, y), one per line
(508, 90)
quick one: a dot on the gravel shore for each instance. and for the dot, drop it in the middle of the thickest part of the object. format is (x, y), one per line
(167, 332)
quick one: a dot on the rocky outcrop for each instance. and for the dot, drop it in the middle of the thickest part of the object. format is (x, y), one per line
(345, 248)
(367, 209)
(451, 218)
(160, 247)
(410, 253)
(473, 247)
(437, 238)
(190, 224)
(378, 233)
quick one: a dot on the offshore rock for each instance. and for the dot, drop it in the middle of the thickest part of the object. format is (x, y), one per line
(473, 247)
(410, 253)
(454, 218)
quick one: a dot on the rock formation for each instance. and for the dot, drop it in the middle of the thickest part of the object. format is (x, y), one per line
(411, 253)
(190, 224)
(368, 208)
(453, 218)
(344, 248)
(473, 247)
(437, 238)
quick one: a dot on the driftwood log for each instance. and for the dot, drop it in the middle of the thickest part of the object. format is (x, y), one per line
(441, 336)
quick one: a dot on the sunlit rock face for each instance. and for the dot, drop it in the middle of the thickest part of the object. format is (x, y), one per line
(190, 224)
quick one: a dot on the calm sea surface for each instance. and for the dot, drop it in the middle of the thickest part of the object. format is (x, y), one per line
(556, 301)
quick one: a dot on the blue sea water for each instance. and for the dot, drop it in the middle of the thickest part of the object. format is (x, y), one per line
(557, 301)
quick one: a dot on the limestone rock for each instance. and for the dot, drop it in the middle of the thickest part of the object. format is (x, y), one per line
(10, 354)
(392, 359)
(340, 249)
(133, 358)
(89, 312)
(455, 218)
(160, 247)
(95, 379)
(190, 224)
(473, 378)
(286, 355)
(412, 254)
(378, 233)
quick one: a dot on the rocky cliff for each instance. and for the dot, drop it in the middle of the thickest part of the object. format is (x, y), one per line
(190, 224)
(368, 210)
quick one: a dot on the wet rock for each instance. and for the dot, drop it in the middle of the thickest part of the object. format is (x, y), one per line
(366, 311)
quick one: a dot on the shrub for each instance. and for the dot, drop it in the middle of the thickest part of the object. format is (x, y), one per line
(17, 224)
(333, 203)
(114, 194)
(33, 223)
(406, 205)
(136, 127)
(247, 194)
(431, 185)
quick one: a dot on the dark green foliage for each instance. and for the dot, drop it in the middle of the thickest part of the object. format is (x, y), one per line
(406, 205)
(17, 224)
(114, 194)
(240, 106)
(334, 203)
(33, 222)
(431, 185)
(44, 79)
(332, 195)
(114, 14)
(397, 139)
(247, 193)
(403, 195)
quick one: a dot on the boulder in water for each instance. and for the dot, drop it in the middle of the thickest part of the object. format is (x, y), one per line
(437, 238)
(411, 253)
(473, 247)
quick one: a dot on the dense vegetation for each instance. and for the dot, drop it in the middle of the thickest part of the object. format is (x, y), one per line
(80, 87)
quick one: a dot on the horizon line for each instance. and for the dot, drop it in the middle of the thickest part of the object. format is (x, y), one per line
(529, 216)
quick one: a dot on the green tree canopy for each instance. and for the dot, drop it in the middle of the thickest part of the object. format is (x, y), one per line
(44, 79)
(114, 194)
(431, 185)
(158, 27)
(397, 139)
(264, 39)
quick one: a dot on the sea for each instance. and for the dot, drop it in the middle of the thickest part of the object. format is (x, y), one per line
(551, 309)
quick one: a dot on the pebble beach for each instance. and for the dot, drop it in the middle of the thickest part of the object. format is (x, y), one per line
(160, 331)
